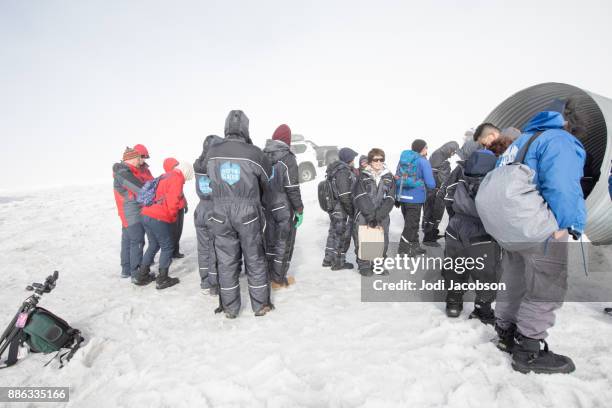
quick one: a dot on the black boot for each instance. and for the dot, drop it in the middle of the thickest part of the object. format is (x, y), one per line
(454, 308)
(366, 271)
(483, 312)
(403, 248)
(417, 249)
(164, 281)
(326, 263)
(142, 276)
(178, 255)
(340, 263)
(527, 357)
(506, 338)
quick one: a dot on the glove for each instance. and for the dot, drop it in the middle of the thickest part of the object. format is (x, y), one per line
(397, 204)
(299, 217)
(186, 209)
(371, 220)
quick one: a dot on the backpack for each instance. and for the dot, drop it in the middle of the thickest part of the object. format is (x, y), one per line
(511, 208)
(407, 170)
(146, 195)
(44, 332)
(327, 199)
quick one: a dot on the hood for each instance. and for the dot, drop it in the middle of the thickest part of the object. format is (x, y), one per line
(544, 121)
(337, 166)
(170, 163)
(480, 163)
(198, 165)
(276, 150)
(237, 126)
(443, 154)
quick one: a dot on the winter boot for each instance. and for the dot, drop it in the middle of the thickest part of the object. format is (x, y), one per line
(483, 312)
(265, 309)
(142, 276)
(528, 357)
(327, 263)
(506, 337)
(340, 263)
(454, 304)
(212, 291)
(366, 271)
(454, 309)
(289, 280)
(164, 281)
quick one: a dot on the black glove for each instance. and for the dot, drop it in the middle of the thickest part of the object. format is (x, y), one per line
(397, 204)
(371, 220)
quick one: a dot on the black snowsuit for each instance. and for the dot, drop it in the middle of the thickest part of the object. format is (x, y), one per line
(282, 201)
(433, 210)
(465, 235)
(342, 178)
(239, 174)
(207, 262)
(373, 201)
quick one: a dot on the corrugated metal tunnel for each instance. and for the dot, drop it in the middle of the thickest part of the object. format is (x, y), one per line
(597, 112)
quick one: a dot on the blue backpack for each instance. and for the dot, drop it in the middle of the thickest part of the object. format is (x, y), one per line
(146, 195)
(407, 170)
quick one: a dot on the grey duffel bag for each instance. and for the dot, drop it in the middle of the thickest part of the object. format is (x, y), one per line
(511, 208)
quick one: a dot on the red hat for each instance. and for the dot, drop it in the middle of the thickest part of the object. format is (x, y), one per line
(142, 150)
(283, 133)
(170, 163)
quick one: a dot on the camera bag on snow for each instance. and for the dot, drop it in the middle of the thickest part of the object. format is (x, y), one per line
(511, 208)
(44, 332)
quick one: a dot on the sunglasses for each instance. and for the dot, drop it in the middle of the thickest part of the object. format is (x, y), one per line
(378, 159)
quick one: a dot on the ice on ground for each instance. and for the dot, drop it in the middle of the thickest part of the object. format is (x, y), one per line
(321, 346)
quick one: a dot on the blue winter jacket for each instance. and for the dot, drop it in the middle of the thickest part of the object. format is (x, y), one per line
(557, 159)
(416, 195)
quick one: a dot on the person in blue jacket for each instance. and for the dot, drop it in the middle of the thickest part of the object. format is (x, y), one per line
(536, 279)
(413, 177)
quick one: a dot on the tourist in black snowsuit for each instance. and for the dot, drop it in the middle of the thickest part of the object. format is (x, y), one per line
(239, 174)
(373, 198)
(207, 262)
(342, 177)
(284, 207)
(433, 209)
(466, 237)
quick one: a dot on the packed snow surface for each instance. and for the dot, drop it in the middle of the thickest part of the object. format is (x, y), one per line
(321, 347)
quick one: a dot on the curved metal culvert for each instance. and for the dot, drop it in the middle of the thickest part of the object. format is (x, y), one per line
(597, 111)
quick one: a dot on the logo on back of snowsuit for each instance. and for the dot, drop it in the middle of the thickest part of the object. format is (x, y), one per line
(204, 185)
(230, 173)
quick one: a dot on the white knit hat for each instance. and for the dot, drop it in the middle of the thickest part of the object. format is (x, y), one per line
(186, 168)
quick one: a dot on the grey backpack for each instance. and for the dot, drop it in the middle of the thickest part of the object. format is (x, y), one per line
(511, 208)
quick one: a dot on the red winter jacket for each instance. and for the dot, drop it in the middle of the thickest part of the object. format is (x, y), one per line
(169, 164)
(168, 197)
(127, 181)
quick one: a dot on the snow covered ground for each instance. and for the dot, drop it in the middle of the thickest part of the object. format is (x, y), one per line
(321, 347)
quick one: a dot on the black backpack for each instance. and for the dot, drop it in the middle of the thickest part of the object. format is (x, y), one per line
(327, 199)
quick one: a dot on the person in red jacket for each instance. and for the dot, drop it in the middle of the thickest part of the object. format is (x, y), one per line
(144, 173)
(127, 181)
(158, 218)
(177, 229)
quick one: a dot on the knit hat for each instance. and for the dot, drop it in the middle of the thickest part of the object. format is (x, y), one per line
(170, 163)
(346, 154)
(283, 133)
(363, 160)
(186, 168)
(140, 148)
(418, 145)
(130, 154)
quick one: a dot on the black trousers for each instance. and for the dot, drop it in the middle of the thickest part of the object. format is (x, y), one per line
(177, 229)
(433, 211)
(412, 216)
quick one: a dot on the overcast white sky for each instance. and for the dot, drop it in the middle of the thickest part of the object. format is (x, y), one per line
(80, 80)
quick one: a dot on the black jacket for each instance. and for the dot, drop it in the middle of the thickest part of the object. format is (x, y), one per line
(374, 200)
(440, 164)
(342, 177)
(284, 182)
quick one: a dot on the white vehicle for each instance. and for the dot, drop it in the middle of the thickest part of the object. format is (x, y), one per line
(306, 157)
